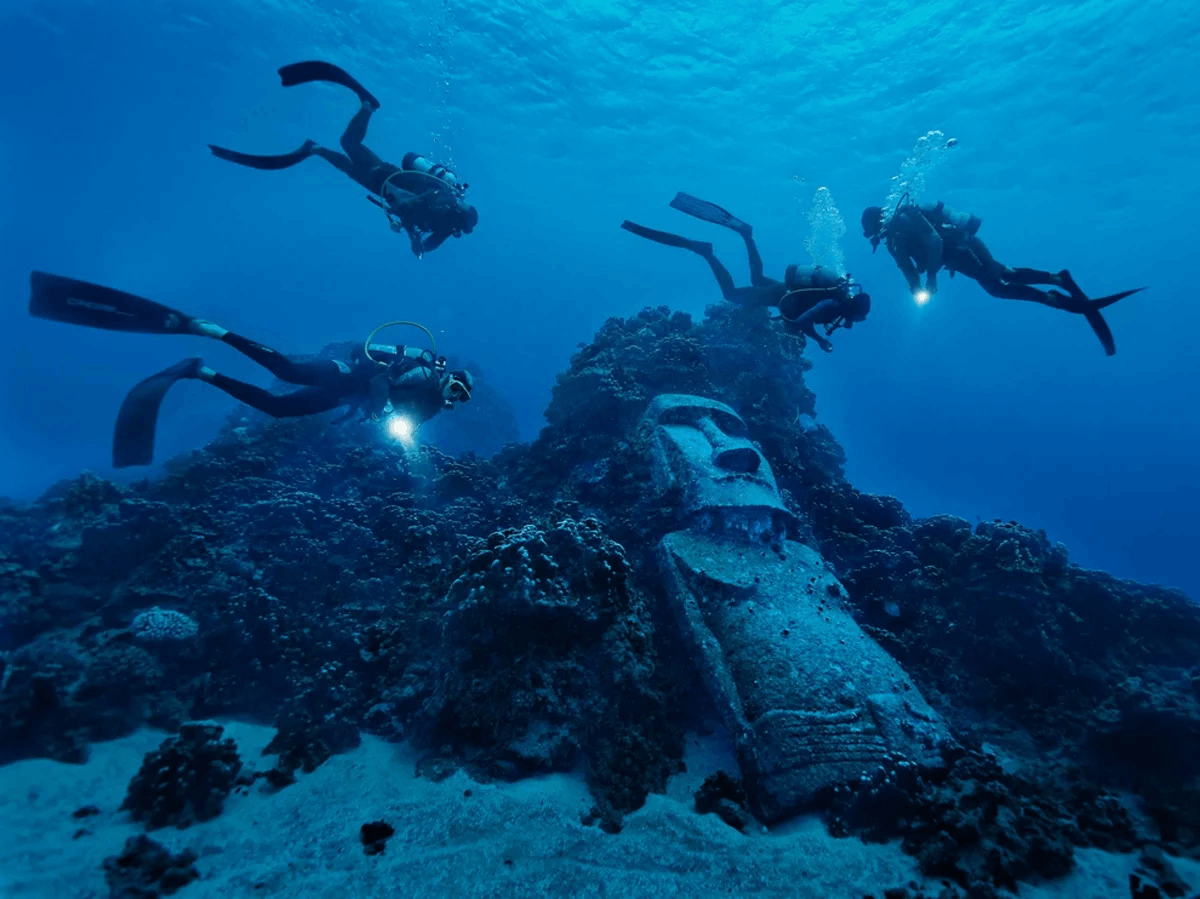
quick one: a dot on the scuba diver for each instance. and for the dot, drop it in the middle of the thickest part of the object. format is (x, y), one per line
(418, 197)
(930, 237)
(377, 380)
(807, 296)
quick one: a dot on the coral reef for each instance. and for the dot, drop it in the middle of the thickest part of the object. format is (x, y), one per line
(979, 826)
(508, 614)
(722, 795)
(185, 780)
(548, 653)
(146, 870)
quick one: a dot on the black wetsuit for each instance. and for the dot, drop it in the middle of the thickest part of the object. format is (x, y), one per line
(330, 383)
(425, 204)
(925, 239)
(808, 295)
(422, 202)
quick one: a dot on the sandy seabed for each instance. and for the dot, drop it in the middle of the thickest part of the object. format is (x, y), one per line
(457, 838)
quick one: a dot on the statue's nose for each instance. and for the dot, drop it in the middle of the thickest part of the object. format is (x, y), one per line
(743, 460)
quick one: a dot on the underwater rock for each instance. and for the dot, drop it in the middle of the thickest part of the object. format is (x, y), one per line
(977, 825)
(185, 780)
(809, 700)
(38, 717)
(146, 869)
(548, 654)
(722, 795)
(1156, 877)
(309, 730)
(375, 835)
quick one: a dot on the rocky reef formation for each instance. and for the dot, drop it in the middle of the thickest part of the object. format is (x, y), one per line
(185, 780)
(512, 616)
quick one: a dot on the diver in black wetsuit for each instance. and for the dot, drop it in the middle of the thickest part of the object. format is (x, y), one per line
(807, 296)
(377, 379)
(927, 238)
(423, 199)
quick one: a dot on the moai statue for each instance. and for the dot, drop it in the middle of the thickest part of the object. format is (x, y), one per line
(810, 700)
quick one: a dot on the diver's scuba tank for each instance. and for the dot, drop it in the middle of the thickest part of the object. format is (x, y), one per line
(415, 162)
(811, 277)
(968, 223)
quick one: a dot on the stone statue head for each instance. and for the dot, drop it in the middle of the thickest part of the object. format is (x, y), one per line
(701, 449)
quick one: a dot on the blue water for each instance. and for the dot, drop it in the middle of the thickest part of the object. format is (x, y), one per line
(1078, 127)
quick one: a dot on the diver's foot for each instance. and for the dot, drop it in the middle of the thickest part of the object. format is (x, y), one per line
(1064, 280)
(702, 247)
(1067, 303)
(202, 328)
(743, 229)
(309, 147)
(193, 369)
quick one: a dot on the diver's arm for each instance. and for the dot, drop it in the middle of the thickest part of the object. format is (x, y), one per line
(378, 402)
(904, 261)
(435, 240)
(933, 248)
(826, 310)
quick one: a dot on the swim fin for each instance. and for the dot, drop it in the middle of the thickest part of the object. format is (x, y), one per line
(708, 212)
(74, 302)
(1096, 320)
(1080, 304)
(665, 237)
(305, 72)
(265, 163)
(137, 420)
(1105, 302)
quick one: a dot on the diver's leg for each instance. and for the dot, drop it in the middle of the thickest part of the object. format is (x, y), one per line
(724, 279)
(700, 248)
(756, 263)
(1009, 291)
(335, 159)
(308, 401)
(1032, 276)
(328, 374)
(354, 135)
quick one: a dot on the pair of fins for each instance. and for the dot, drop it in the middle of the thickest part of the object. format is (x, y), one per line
(1090, 309)
(290, 76)
(696, 208)
(60, 299)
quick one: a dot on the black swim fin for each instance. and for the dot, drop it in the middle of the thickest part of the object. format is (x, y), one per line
(265, 163)
(1096, 320)
(137, 420)
(1090, 309)
(708, 212)
(305, 72)
(74, 302)
(667, 238)
(1105, 302)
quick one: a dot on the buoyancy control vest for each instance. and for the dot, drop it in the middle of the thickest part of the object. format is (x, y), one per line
(808, 285)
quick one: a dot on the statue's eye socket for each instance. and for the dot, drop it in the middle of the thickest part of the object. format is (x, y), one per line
(734, 427)
(691, 416)
(683, 415)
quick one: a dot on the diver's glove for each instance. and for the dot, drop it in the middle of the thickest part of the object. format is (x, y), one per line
(380, 396)
(415, 241)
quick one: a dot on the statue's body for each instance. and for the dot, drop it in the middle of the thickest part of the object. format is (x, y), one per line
(809, 699)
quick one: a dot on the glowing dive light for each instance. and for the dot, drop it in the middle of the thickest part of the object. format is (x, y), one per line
(922, 297)
(401, 428)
